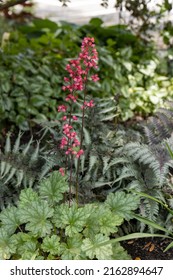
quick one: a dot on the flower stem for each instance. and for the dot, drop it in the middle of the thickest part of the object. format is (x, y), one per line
(81, 142)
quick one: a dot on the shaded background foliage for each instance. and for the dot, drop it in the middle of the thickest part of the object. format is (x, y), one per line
(35, 54)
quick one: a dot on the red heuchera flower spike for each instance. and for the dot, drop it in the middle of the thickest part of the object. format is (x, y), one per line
(78, 70)
(61, 170)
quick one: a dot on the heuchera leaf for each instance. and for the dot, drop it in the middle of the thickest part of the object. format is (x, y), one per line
(29, 250)
(36, 216)
(71, 250)
(51, 244)
(10, 219)
(92, 221)
(108, 222)
(73, 219)
(26, 197)
(52, 188)
(122, 204)
(7, 248)
(119, 252)
(94, 248)
(26, 245)
(101, 220)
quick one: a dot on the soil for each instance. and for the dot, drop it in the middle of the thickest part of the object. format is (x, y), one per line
(148, 249)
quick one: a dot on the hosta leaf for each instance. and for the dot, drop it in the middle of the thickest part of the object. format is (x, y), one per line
(122, 204)
(51, 244)
(72, 218)
(94, 248)
(6, 245)
(52, 188)
(36, 216)
(10, 219)
(71, 250)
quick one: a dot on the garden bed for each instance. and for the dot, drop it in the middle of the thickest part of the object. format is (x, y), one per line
(148, 249)
(86, 145)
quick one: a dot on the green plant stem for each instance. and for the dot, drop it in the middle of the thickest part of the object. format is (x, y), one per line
(20, 229)
(66, 162)
(70, 181)
(67, 156)
(81, 142)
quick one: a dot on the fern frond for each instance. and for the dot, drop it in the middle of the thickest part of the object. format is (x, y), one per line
(109, 117)
(151, 211)
(8, 143)
(20, 166)
(35, 154)
(27, 147)
(117, 160)
(17, 143)
(107, 110)
(105, 160)
(160, 126)
(93, 158)
(87, 137)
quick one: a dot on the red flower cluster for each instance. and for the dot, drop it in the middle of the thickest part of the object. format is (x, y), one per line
(62, 108)
(78, 70)
(88, 104)
(62, 171)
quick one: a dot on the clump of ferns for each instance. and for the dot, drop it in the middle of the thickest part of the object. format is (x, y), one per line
(20, 166)
(100, 142)
(159, 134)
(160, 126)
(147, 171)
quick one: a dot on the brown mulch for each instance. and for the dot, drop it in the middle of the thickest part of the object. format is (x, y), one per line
(148, 249)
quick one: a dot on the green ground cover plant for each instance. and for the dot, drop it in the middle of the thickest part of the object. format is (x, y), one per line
(40, 226)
